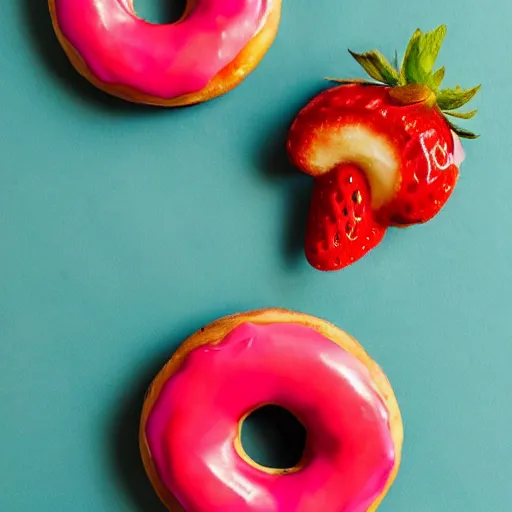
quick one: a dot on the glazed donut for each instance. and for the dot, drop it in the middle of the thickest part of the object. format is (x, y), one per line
(193, 411)
(208, 52)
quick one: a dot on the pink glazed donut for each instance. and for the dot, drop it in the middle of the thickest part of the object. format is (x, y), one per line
(193, 412)
(208, 52)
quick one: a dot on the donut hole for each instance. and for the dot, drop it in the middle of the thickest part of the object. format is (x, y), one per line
(273, 438)
(160, 11)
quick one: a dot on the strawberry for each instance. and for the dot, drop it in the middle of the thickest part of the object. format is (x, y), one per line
(394, 131)
(341, 228)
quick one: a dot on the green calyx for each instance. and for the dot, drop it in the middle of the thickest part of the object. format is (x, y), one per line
(416, 74)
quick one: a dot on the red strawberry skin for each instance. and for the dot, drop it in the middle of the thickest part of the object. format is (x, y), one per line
(336, 107)
(341, 227)
(428, 172)
(417, 134)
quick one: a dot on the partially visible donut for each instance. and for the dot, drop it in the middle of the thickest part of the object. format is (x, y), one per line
(208, 52)
(192, 415)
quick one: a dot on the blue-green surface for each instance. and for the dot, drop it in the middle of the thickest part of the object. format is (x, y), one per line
(123, 229)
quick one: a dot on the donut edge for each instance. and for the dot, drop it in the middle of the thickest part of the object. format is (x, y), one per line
(224, 81)
(216, 331)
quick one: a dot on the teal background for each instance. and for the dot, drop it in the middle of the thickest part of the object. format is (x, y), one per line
(123, 229)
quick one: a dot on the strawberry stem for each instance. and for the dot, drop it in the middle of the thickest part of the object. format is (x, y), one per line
(416, 76)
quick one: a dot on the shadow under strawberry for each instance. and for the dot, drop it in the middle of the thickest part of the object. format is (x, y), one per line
(270, 151)
(272, 158)
(383, 153)
(299, 200)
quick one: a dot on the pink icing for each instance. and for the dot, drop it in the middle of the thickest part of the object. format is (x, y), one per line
(458, 151)
(165, 61)
(349, 453)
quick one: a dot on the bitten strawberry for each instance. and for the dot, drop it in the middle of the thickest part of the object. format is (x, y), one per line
(341, 228)
(395, 133)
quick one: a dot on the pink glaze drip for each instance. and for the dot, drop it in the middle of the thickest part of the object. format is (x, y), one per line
(458, 151)
(192, 427)
(164, 61)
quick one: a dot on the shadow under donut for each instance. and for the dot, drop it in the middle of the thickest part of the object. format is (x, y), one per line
(123, 427)
(124, 439)
(42, 38)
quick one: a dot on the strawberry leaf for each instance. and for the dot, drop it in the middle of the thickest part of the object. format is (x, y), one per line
(377, 66)
(430, 46)
(436, 79)
(462, 115)
(452, 99)
(410, 57)
(351, 81)
(461, 132)
(421, 55)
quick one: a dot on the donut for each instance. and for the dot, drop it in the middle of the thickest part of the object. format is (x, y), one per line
(208, 52)
(190, 429)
